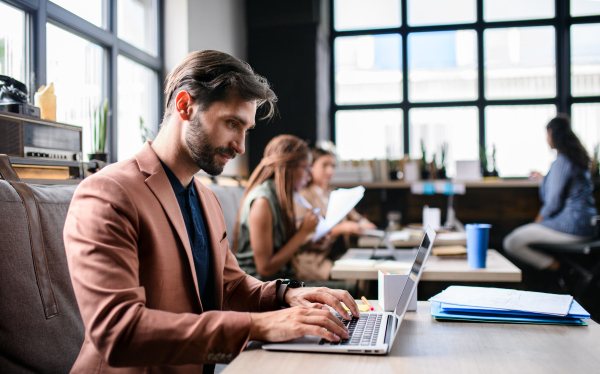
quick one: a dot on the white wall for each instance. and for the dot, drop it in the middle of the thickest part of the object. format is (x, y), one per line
(191, 25)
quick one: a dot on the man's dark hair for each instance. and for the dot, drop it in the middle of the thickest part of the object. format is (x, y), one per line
(566, 142)
(211, 76)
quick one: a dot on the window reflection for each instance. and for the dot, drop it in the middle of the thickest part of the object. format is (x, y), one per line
(520, 63)
(519, 133)
(75, 66)
(89, 10)
(382, 140)
(137, 103)
(12, 43)
(586, 124)
(368, 69)
(585, 60)
(511, 10)
(457, 127)
(441, 12)
(137, 23)
(442, 66)
(363, 15)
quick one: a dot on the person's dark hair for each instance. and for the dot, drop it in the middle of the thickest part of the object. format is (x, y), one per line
(566, 142)
(320, 152)
(211, 76)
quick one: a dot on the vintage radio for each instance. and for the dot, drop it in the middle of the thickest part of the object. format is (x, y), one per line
(24, 136)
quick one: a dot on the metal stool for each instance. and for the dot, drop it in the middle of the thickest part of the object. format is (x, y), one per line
(564, 252)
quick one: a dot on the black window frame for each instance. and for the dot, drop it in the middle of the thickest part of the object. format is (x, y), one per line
(561, 22)
(41, 12)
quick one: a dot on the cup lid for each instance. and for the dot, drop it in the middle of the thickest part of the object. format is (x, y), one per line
(478, 225)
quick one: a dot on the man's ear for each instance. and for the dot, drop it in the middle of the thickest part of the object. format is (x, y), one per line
(183, 105)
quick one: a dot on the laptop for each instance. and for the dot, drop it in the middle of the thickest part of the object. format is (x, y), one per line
(373, 332)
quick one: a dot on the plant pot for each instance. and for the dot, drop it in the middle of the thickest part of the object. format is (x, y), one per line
(98, 156)
(425, 174)
(493, 173)
(441, 173)
(393, 175)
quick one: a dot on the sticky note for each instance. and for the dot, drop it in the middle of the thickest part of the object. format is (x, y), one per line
(361, 307)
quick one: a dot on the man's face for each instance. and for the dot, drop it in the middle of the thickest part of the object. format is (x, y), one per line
(216, 135)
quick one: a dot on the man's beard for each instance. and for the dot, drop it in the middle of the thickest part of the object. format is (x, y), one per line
(202, 152)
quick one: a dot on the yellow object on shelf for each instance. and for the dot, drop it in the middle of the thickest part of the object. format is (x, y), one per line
(361, 307)
(45, 99)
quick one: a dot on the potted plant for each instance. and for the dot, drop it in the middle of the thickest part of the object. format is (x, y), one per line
(494, 172)
(99, 128)
(483, 162)
(146, 133)
(424, 170)
(393, 169)
(441, 171)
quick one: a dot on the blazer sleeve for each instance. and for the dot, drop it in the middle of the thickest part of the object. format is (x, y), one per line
(101, 235)
(554, 187)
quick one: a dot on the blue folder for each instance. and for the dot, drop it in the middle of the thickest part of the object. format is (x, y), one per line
(502, 316)
(575, 311)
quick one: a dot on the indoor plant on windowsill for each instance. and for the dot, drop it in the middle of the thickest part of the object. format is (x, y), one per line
(98, 127)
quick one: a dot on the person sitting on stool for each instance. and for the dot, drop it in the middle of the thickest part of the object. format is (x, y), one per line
(568, 205)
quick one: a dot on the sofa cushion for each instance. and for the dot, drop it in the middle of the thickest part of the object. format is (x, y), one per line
(30, 342)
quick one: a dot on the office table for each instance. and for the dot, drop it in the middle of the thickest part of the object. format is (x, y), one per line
(414, 241)
(498, 269)
(424, 345)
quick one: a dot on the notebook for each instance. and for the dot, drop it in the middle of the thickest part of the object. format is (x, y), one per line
(373, 332)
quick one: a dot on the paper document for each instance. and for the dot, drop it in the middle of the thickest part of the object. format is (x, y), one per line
(341, 202)
(534, 302)
(400, 235)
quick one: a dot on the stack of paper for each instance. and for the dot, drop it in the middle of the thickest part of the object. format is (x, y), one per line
(484, 304)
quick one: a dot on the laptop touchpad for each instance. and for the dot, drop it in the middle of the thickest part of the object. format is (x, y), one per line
(307, 339)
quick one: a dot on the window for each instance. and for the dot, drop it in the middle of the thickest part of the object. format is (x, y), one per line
(471, 78)
(13, 43)
(138, 90)
(80, 53)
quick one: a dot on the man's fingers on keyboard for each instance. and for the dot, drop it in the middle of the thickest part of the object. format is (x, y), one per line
(330, 325)
(321, 333)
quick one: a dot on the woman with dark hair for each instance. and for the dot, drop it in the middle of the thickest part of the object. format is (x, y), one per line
(266, 236)
(566, 193)
(315, 263)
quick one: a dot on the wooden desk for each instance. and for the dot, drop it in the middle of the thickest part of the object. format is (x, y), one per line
(424, 345)
(498, 269)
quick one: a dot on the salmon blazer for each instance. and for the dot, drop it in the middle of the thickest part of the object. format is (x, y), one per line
(133, 273)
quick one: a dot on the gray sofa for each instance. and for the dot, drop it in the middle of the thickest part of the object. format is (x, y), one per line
(41, 330)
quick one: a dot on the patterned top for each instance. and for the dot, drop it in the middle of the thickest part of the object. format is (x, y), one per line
(567, 196)
(245, 255)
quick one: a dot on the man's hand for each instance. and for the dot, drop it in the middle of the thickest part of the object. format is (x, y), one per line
(318, 297)
(292, 323)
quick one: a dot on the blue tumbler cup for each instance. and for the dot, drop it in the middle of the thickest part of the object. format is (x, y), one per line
(477, 244)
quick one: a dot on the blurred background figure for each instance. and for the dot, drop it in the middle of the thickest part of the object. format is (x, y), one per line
(314, 262)
(566, 193)
(266, 236)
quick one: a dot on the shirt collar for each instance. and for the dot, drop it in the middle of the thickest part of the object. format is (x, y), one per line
(178, 188)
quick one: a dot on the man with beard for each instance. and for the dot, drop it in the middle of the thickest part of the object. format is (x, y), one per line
(156, 284)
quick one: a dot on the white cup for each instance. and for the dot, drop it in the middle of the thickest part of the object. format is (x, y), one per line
(432, 217)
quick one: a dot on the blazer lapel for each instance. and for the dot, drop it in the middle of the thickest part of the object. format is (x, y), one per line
(160, 186)
(210, 211)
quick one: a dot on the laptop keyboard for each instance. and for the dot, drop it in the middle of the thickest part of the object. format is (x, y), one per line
(362, 331)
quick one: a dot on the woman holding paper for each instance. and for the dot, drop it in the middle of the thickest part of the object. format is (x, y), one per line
(315, 262)
(568, 206)
(266, 235)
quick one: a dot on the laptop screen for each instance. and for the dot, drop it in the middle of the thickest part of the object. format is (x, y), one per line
(412, 279)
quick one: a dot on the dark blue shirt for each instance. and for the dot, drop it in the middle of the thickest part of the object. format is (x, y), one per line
(191, 211)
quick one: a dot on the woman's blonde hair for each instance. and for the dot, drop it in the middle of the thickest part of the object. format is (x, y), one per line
(281, 156)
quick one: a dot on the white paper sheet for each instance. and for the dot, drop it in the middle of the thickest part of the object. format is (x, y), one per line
(341, 202)
(534, 302)
(403, 235)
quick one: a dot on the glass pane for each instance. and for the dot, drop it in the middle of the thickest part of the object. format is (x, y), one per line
(369, 134)
(363, 15)
(519, 133)
(137, 23)
(457, 127)
(442, 66)
(585, 8)
(12, 43)
(368, 69)
(585, 120)
(441, 12)
(510, 10)
(89, 10)
(75, 66)
(585, 60)
(520, 63)
(138, 95)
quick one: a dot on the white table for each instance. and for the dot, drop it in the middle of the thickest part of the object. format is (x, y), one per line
(424, 345)
(498, 269)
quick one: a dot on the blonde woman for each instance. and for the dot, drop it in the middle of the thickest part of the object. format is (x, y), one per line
(266, 236)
